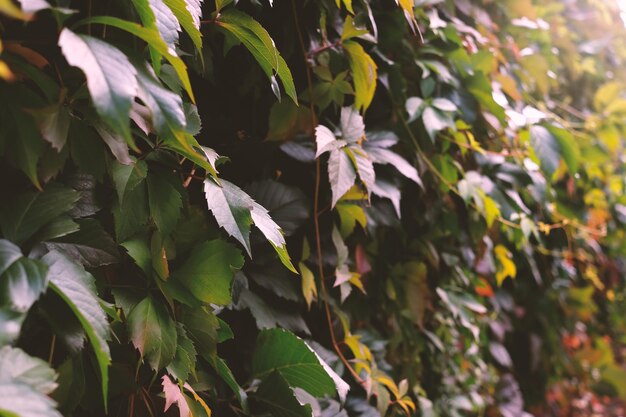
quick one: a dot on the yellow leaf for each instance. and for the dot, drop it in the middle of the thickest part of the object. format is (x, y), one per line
(349, 216)
(591, 273)
(8, 8)
(347, 3)
(350, 30)
(355, 280)
(354, 194)
(407, 6)
(364, 74)
(492, 211)
(309, 289)
(506, 267)
(5, 72)
(389, 383)
(198, 399)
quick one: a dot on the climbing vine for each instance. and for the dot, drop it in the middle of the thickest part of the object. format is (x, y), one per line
(311, 207)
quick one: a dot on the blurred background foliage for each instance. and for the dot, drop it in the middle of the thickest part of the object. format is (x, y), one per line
(436, 189)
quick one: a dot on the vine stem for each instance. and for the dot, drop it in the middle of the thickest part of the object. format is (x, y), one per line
(318, 241)
(52, 344)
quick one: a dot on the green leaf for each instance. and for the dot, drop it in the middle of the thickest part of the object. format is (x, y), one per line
(201, 326)
(364, 74)
(184, 361)
(226, 374)
(260, 44)
(139, 250)
(282, 351)
(350, 30)
(546, 149)
(208, 271)
(54, 124)
(26, 146)
(189, 19)
(569, 148)
(127, 177)
(17, 366)
(90, 246)
(152, 38)
(278, 398)
(349, 215)
(22, 284)
(77, 288)
(110, 77)
(235, 211)
(220, 4)
(132, 215)
(341, 174)
(26, 214)
(153, 332)
(267, 316)
(165, 202)
(9, 253)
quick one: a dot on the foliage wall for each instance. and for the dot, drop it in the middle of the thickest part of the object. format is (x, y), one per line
(311, 207)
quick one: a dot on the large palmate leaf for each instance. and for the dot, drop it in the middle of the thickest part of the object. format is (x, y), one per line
(24, 215)
(341, 174)
(278, 398)
(153, 332)
(282, 351)
(235, 211)
(208, 271)
(110, 77)
(287, 205)
(77, 288)
(261, 46)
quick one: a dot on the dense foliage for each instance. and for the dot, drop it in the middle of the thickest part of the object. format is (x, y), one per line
(436, 189)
